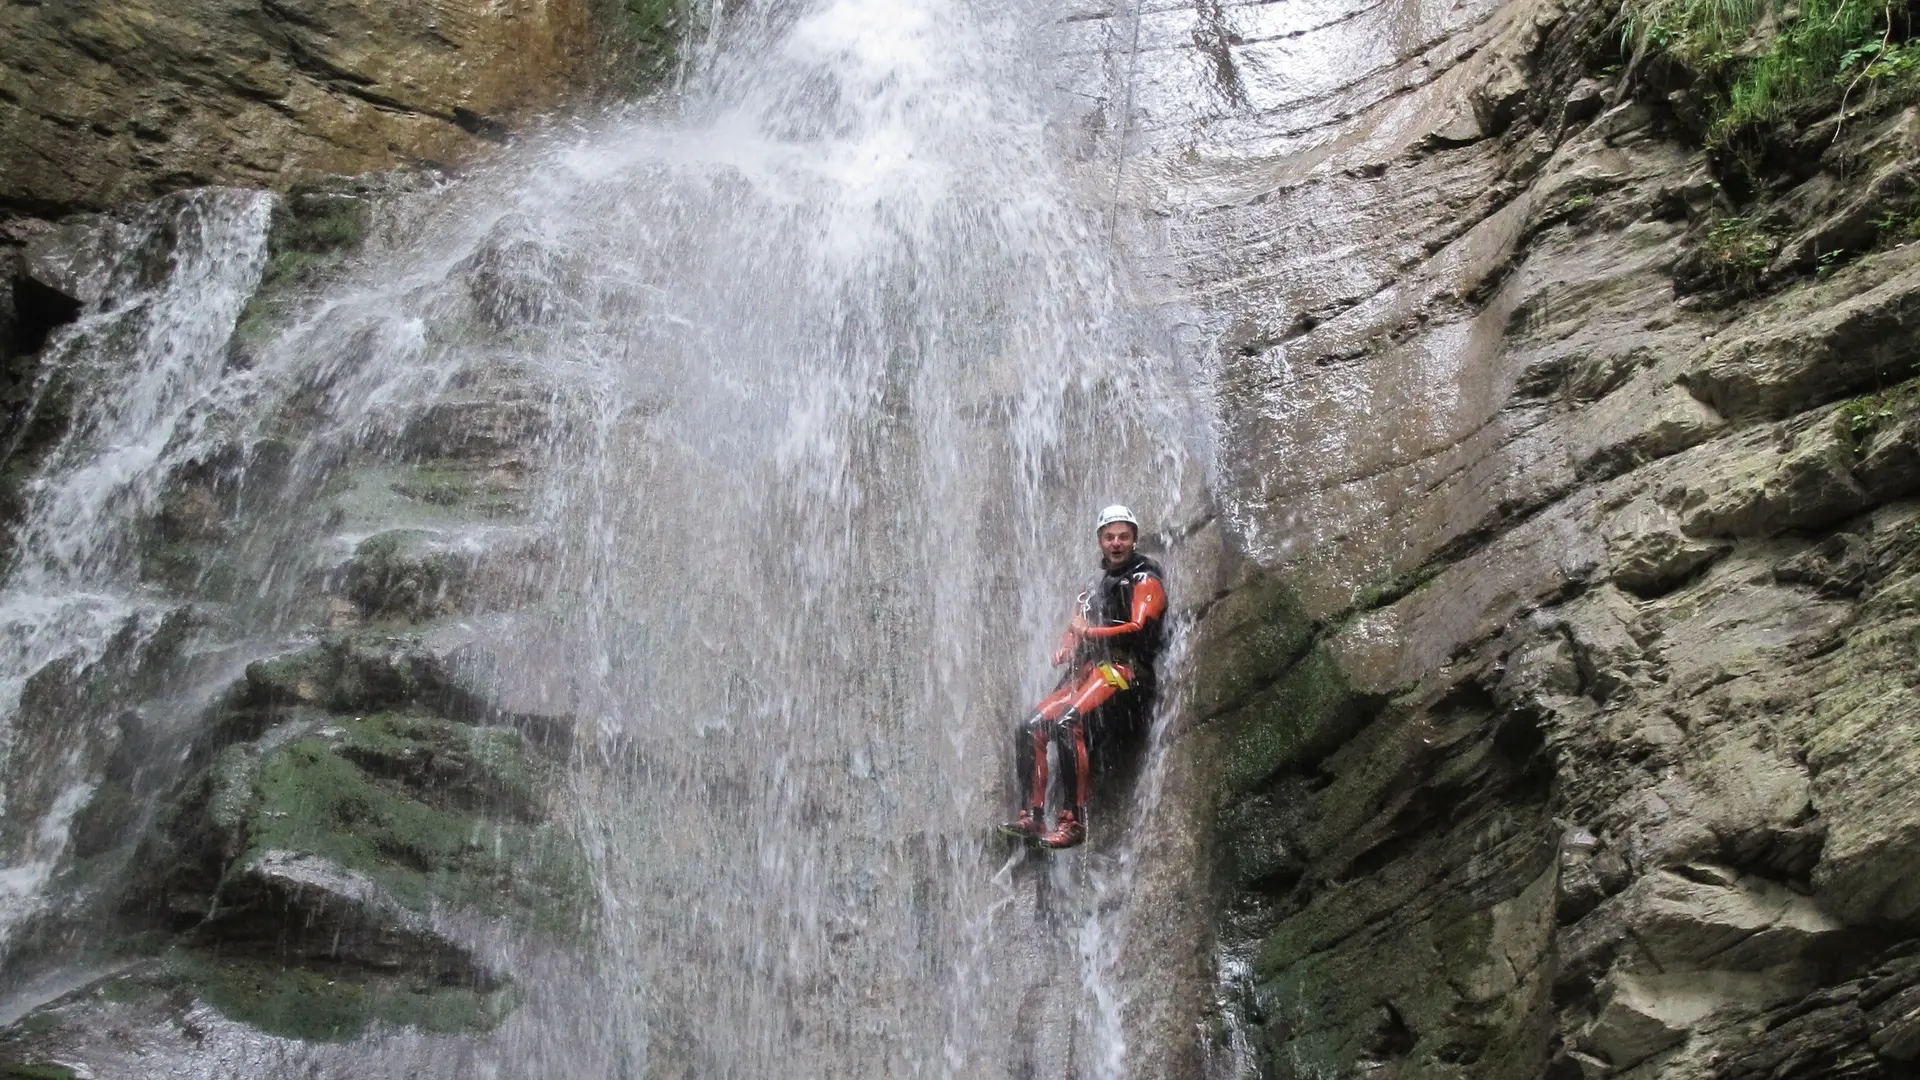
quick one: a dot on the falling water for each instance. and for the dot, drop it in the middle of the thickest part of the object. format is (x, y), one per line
(140, 366)
(822, 376)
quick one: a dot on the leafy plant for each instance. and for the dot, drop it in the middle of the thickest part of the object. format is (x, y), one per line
(1897, 226)
(1763, 58)
(1737, 249)
(1860, 418)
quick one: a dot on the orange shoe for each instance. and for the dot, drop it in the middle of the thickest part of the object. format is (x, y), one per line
(1028, 826)
(1070, 831)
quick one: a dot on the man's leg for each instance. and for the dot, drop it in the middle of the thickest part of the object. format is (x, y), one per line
(1094, 688)
(1030, 757)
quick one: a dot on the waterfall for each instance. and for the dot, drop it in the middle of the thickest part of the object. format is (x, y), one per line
(815, 377)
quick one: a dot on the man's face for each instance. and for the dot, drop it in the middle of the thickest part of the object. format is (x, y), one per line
(1116, 542)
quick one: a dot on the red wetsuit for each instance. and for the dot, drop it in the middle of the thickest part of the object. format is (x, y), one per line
(1110, 650)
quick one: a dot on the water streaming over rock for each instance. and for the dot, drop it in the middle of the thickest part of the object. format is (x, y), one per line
(787, 413)
(139, 368)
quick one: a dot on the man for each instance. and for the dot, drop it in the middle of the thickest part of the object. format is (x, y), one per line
(1109, 648)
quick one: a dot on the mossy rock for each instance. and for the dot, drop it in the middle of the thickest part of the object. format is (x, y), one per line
(431, 812)
(349, 674)
(1303, 715)
(434, 811)
(1251, 638)
(645, 36)
(151, 1006)
(405, 574)
(36, 1072)
(315, 228)
(331, 1005)
(484, 490)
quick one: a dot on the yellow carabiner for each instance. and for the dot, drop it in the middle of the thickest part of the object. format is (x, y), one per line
(1113, 676)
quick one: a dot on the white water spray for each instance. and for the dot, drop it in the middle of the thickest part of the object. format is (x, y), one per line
(827, 375)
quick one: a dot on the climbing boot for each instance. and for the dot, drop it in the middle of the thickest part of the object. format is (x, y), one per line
(1028, 826)
(1069, 831)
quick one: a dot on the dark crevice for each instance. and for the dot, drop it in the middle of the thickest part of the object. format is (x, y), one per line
(39, 310)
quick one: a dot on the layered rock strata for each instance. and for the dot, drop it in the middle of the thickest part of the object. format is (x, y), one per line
(113, 101)
(307, 824)
(1560, 691)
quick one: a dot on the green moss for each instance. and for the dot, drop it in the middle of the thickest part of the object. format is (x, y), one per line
(1304, 715)
(477, 489)
(36, 1072)
(312, 231)
(403, 800)
(1252, 637)
(648, 36)
(490, 764)
(330, 1006)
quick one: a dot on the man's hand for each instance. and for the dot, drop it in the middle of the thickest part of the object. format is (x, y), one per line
(1076, 633)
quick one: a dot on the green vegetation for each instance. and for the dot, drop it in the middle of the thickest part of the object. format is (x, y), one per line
(643, 37)
(1737, 249)
(1895, 228)
(404, 800)
(1858, 419)
(312, 231)
(1761, 59)
(36, 1072)
(315, 1006)
(314, 228)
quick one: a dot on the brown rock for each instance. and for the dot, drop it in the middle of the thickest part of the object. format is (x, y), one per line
(107, 101)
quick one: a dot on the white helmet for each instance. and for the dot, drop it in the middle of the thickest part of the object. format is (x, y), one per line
(1114, 513)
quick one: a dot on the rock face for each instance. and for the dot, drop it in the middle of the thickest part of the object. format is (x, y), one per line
(109, 101)
(354, 834)
(1560, 691)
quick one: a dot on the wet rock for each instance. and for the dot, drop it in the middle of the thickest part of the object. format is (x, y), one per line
(1643, 1014)
(1759, 806)
(1255, 635)
(484, 490)
(187, 1008)
(306, 909)
(429, 808)
(1798, 477)
(493, 429)
(1889, 461)
(1583, 102)
(73, 261)
(1641, 424)
(1688, 920)
(1815, 345)
(514, 280)
(1835, 567)
(346, 674)
(1845, 1030)
(199, 94)
(1656, 530)
(1866, 769)
(1648, 554)
(410, 574)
